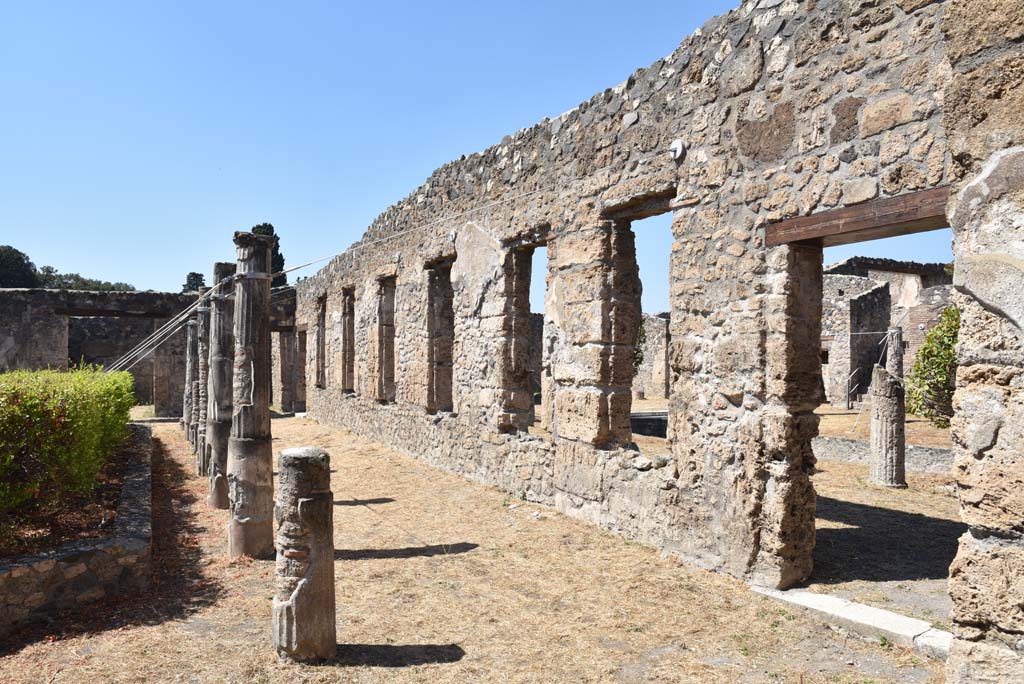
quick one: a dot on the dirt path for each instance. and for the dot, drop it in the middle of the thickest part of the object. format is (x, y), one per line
(441, 580)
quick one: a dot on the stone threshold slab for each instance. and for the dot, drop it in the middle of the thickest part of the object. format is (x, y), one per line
(868, 621)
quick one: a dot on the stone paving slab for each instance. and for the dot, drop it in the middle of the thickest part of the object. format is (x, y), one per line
(868, 621)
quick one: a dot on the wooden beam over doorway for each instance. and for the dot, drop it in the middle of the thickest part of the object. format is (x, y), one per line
(914, 212)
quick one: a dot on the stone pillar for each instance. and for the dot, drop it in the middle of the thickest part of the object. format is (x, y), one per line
(190, 375)
(985, 578)
(193, 428)
(222, 357)
(894, 358)
(250, 458)
(303, 609)
(597, 288)
(203, 377)
(888, 418)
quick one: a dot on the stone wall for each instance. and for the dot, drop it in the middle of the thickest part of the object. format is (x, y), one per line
(924, 315)
(852, 307)
(83, 572)
(103, 340)
(869, 318)
(35, 334)
(984, 102)
(774, 110)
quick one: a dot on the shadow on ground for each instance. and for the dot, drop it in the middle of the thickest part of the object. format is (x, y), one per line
(882, 544)
(408, 552)
(178, 586)
(386, 655)
(363, 502)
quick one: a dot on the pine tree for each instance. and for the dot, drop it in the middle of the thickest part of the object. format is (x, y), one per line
(276, 256)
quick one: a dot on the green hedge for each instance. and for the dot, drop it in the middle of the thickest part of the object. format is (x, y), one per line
(57, 429)
(930, 383)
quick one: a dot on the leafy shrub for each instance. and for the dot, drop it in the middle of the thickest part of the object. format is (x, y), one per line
(931, 381)
(57, 429)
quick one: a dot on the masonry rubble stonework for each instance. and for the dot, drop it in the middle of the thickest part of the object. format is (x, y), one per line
(777, 105)
(774, 110)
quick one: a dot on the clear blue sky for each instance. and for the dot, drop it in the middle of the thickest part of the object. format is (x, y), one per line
(137, 136)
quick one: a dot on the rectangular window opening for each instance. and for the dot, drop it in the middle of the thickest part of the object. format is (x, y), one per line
(440, 336)
(321, 342)
(348, 340)
(386, 340)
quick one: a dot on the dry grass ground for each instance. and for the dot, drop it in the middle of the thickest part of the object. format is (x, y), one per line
(837, 421)
(440, 580)
(886, 547)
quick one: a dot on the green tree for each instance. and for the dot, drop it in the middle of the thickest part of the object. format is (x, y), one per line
(930, 383)
(193, 282)
(276, 256)
(50, 278)
(16, 269)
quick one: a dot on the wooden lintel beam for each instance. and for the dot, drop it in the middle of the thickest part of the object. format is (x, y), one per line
(914, 212)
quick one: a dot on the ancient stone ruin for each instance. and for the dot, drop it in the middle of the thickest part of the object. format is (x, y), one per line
(303, 611)
(774, 131)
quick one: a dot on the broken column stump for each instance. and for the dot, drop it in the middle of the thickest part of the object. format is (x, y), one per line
(888, 443)
(202, 377)
(250, 457)
(303, 611)
(222, 358)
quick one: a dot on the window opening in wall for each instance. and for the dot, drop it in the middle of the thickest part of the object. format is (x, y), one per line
(540, 383)
(348, 339)
(300, 374)
(640, 306)
(321, 342)
(440, 336)
(386, 340)
(525, 328)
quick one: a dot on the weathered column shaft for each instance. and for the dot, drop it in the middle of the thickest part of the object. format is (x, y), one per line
(894, 359)
(190, 375)
(219, 391)
(888, 443)
(250, 456)
(203, 366)
(193, 431)
(304, 604)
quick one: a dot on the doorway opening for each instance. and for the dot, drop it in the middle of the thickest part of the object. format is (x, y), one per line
(884, 546)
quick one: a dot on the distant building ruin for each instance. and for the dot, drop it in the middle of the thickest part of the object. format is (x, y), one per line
(861, 298)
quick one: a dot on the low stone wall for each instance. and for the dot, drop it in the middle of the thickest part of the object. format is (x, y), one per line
(81, 572)
(919, 459)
